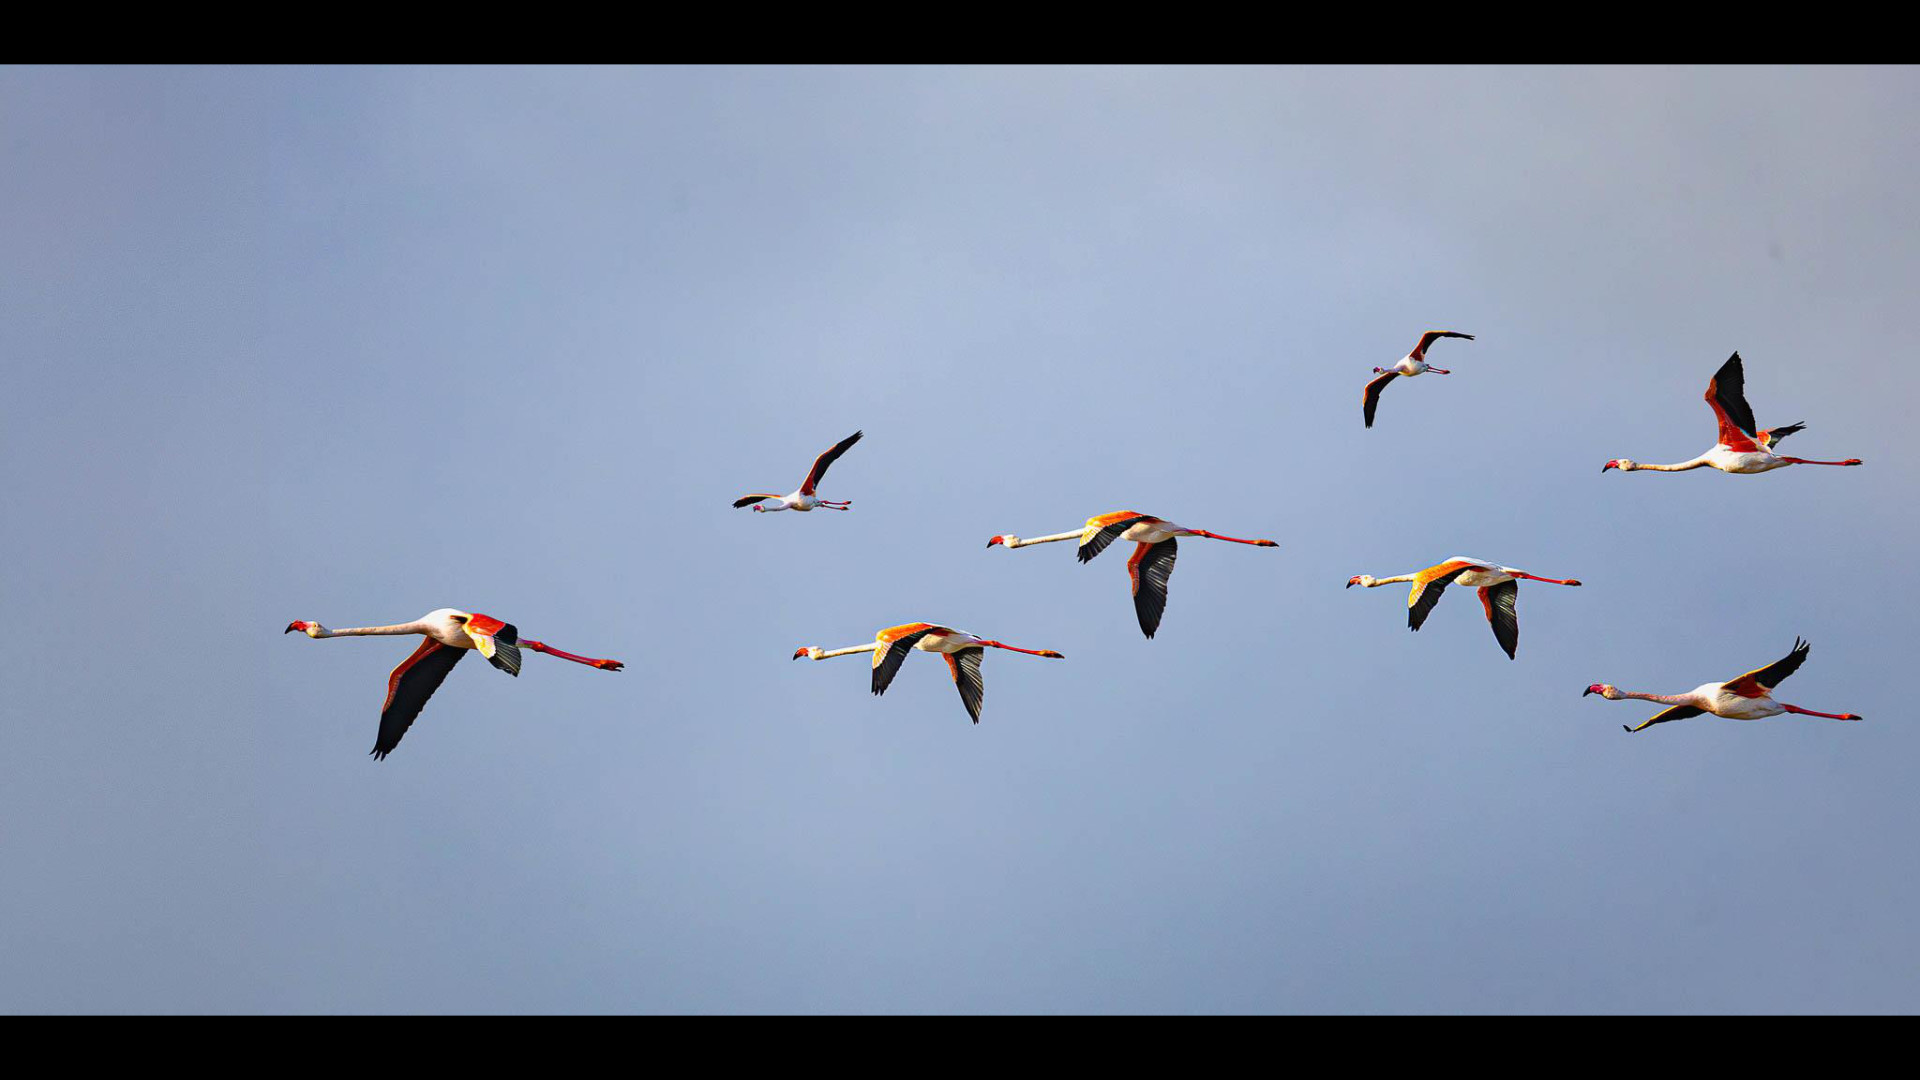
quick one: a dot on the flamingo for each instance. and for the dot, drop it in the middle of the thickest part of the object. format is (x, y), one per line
(449, 632)
(1152, 562)
(1499, 592)
(963, 653)
(1749, 697)
(804, 499)
(1414, 363)
(1741, 449)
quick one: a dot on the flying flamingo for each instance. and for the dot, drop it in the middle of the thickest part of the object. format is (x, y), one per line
(1741, 449)
(449, 633)
(1152, 562)
(1414, 363)
(963, 653)
(1499, 591)
(804, 499)
(1748, 697)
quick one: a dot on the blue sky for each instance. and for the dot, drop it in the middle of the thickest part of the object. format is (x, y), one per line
(353, 344)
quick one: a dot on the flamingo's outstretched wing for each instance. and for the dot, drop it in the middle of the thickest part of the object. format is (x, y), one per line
(1678, 712)
(820, 463)
(1371, 399)
(895, 643)
(1760, 681)
(1105, 529)
(749, 500)
(965, 666)
(1499, 601)
(1151, 567)
(1428, 584)
(499, 642)
(1432, 336)
(408, 689)
(1727, 397)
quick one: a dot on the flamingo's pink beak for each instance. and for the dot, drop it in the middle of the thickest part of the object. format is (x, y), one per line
(996, 540)
(295, 625)
(1594, 689)
(799, 652)
(1609, 465)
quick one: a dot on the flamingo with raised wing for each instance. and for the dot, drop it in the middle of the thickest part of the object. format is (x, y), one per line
(804, 498)
(1152, 562)
(1414, 363)
(963, 653)
(1740, 448)
(449, 633)
(1749, 697)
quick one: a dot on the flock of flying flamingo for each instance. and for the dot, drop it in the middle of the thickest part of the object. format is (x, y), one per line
(1739, 448)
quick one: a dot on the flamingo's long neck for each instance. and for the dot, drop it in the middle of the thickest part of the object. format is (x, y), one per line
(1074, 535)
(1387, 581)
(417, 627)
(1548, 580)
(868, 647)
(1662, 699)
(1680, 467)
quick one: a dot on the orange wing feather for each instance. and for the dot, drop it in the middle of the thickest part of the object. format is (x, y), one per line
(1428, 584)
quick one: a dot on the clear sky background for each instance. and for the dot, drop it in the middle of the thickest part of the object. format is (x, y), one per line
(350, 345)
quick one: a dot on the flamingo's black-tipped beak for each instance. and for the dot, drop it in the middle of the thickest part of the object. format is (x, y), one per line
(1587, 691)
(295, 625)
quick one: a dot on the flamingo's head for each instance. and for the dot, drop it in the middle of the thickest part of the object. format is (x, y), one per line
(810, 651)
(1360, 579)
(311, 629)
(1623, 464)
(1000, 540)
(1051, 655)
(1605, 690)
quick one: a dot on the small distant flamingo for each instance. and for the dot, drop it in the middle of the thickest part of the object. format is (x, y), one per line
(1152, 562)
(963, 653)
(449, 633)
(1414, 363)
(1748, 697)
(1741, 449)
(804, 499)
(1499, 592)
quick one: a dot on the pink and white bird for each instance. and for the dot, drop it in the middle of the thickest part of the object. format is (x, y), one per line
(1499, 592)
(1741, 448)
(1152, 564)
(962, 651)
(803, 499)
(449, 633)
(1749, 697)
(1414, 363)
